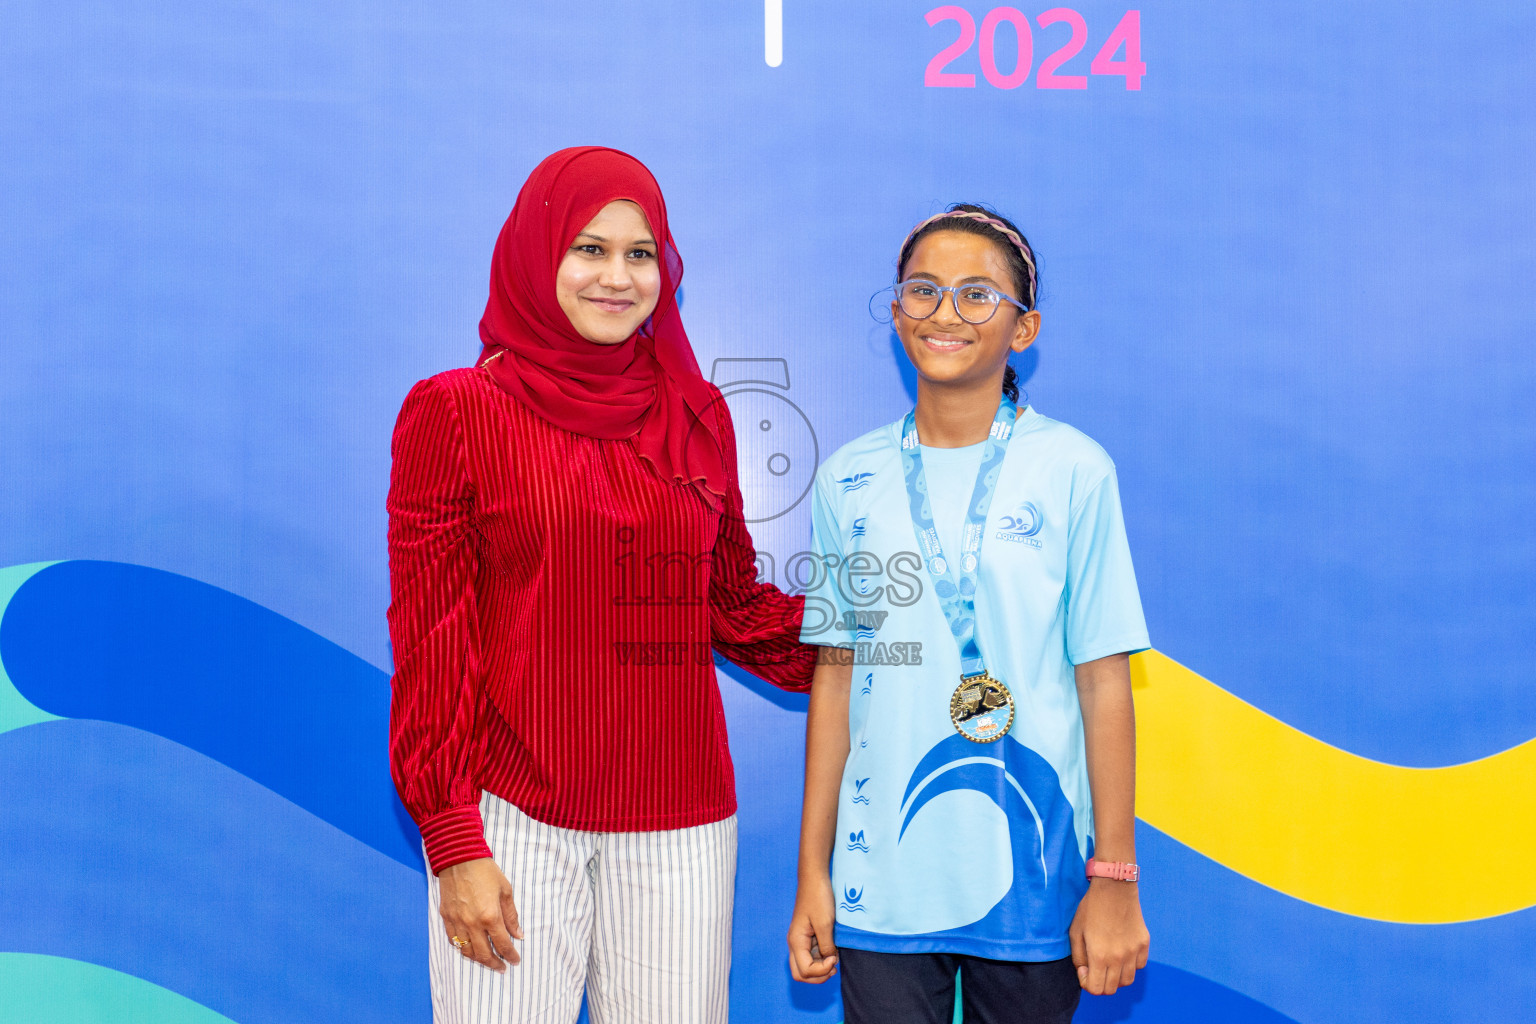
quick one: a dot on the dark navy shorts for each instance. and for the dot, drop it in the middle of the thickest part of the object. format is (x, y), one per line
(919, 988)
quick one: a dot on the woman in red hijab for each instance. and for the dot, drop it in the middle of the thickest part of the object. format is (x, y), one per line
(566, 546)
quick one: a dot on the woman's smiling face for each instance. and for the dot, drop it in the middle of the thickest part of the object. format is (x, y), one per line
(609, 281)
(944, 348)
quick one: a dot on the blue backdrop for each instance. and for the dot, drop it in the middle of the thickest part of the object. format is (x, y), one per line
(1286, 283)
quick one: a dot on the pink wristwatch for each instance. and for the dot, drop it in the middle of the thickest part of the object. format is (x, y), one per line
(1115, 869)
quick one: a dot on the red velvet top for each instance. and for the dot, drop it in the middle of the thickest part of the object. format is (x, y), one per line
(554, 606)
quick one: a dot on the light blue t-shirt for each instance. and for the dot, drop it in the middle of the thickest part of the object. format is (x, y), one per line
(946, 845)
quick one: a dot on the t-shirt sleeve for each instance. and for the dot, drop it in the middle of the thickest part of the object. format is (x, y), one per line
(825, 604)
(1104, 614)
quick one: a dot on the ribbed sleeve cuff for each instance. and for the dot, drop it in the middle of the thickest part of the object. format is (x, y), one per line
(453, 837)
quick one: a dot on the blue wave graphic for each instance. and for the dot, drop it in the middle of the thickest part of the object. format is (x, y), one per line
(216, 673)
(123, 849)
(1166, 995)
(126, 850)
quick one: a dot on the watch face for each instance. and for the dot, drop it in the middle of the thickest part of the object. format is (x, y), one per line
(775, 451)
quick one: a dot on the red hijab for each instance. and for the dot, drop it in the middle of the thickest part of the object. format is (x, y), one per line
(647, 388)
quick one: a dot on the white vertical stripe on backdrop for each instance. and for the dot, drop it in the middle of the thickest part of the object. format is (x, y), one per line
(773, 32)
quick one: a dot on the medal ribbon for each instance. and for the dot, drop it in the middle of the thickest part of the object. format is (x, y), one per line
(957, 593)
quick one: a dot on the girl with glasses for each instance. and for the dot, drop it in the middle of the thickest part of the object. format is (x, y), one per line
(969, 811)
(566, 545)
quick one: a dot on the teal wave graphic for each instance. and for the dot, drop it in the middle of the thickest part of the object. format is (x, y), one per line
(124, 849)
(56, 990)
(15, 710)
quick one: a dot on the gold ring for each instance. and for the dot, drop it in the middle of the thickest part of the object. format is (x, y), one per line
(458, 942)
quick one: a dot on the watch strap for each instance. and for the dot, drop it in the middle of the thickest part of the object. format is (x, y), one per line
(1118, 870)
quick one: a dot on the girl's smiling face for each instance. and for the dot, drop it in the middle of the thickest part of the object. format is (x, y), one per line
(945, 349)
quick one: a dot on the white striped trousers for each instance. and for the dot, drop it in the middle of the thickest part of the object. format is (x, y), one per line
(641, 920)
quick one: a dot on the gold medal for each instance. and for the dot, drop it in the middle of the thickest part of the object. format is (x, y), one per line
(981, 708)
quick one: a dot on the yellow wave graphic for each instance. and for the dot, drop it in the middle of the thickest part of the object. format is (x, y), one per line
(1412, 845)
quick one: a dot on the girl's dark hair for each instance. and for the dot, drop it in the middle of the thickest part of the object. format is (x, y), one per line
(1026, 284)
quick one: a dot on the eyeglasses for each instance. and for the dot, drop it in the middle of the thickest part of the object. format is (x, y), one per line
(976, 303)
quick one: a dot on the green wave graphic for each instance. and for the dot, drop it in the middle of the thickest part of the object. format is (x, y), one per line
(15, 710)
(56, 990)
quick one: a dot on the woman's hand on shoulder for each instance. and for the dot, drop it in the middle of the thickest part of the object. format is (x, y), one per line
(476, 903)
(1109, 938)
(812, 952)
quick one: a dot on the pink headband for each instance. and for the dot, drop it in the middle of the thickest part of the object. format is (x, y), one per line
(993, 222)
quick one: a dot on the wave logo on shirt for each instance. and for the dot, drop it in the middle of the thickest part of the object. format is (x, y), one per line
(857, 481)
(869, 685)
(1021, 527)
(856, 841)
(851, 897)
(858, 527)
(1041, 838)
(858, 791)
